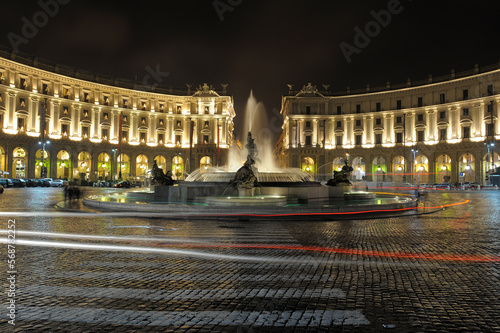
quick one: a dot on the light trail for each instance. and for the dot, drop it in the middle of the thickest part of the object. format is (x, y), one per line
(99, 237)
(96, 247)
(172, 215)
(401, 255)
(350, 213)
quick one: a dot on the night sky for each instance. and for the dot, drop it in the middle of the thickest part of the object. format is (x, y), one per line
(259, 45)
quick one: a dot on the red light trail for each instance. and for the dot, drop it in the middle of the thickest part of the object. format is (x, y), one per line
(344, 213)
(427, 256)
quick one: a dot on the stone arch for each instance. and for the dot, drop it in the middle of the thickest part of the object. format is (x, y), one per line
(19, 163)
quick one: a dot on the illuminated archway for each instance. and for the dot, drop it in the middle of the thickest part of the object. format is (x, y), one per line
(161, 161)
(490, 163)
(39, 165)
(358, 164)
(63, 165)
(398, 169)
(19, 162)
(84, 164)
(123, 166)
(422, 167)
(141, 166)
(338, 163)
(308, 165)
(103, 166)
(205, 163)
(178, 168)
(466, 168)
(443, 169)
(379, 169)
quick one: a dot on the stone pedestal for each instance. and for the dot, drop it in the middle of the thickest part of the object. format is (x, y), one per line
(246, 192)
(347, 188)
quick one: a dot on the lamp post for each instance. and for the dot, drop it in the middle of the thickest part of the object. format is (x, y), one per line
(490, 159)
(43, 171)
(113, 165)
(413, 169)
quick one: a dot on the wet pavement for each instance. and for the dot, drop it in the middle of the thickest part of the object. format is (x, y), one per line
(435, 272)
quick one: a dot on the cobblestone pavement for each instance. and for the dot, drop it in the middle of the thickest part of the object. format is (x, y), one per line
(435, 272)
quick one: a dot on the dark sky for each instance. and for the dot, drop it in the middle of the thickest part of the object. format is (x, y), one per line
(259, 45)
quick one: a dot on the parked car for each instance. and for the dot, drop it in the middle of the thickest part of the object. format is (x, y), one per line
(56, 182)
(406, 186)
(123, 184)
(59, 183)
(102, 183)
(42, 183)
(30, 182)
(1, 189)
(442, 185)
(6, 182)
(471, 185)
(18, 182)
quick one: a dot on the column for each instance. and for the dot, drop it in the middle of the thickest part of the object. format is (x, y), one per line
(429, 133)
(11, 108)
(223, 133)
(169, 138)
(410, 128)
(32, 115)
(152, 128)
(133, 126)
(293, 133)
(75, 121)
(314, 138)
(349, 131)
(56, 130)
(455, 133)
(95, 123)
(496, 106)
(115, 123)
(328, 139)
(366, 134)
(435, 130)
(389, 129)
(186, 123)
(301, 133)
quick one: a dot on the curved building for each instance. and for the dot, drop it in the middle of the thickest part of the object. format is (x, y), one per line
(59, 122)
(440, 130)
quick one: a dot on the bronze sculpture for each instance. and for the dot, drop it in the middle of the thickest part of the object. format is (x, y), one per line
(341, 177)
(159, 178)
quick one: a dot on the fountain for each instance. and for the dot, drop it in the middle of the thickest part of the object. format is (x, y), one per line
(254, 187)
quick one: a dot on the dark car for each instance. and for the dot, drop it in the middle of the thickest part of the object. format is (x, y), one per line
(6, 182)
(42, 183)
(442, 185)
(19, 182)
(123, 184)
(1, 189)
(30, 182)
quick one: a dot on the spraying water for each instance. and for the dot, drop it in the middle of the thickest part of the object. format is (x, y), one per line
(256, 121)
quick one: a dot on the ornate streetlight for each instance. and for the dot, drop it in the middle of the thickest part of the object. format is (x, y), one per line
(490, 159)
(43, 169)
(414, 169)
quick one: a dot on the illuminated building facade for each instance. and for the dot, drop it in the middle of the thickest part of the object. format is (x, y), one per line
(440, 130)
(62, 123)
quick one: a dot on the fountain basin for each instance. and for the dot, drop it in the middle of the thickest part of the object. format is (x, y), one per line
(247, 201)
(318, 210)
